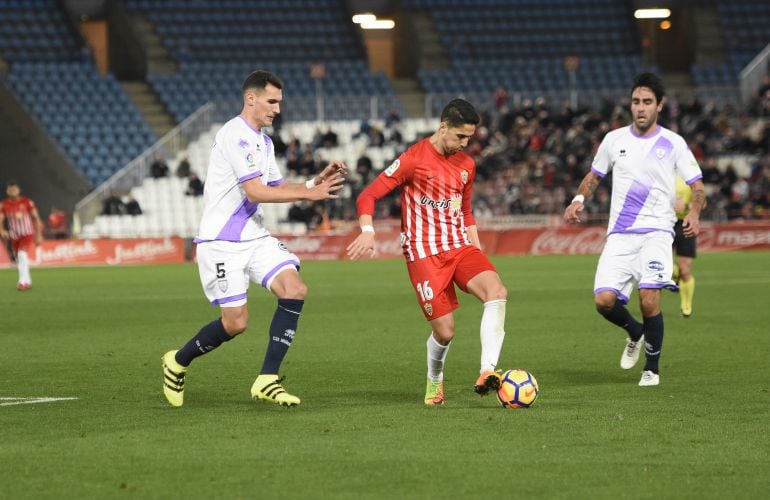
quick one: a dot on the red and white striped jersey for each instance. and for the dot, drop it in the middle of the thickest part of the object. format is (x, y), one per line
(435, 199)
(18, 212)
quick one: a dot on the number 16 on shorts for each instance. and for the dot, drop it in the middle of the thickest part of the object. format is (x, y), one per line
(424, 291)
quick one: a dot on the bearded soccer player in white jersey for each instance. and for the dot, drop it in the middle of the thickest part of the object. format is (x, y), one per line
(440, 242)
(234, 248)
(645, 159)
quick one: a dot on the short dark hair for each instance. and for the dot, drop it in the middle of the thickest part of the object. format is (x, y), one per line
(259, 79)
(459, 112)
(11, 182)
(652, 82)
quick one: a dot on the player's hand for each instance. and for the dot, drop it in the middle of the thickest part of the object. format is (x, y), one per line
(690, 226)
(38, 238)
(572, 212)
(362, 246)
(4, 234)
(334, 167)
(326, 189)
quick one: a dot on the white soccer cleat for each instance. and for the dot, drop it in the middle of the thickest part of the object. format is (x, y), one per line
(649, 379)
(631, 353)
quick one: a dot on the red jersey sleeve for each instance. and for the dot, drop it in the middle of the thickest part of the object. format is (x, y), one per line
(467, 206)
(399, 172)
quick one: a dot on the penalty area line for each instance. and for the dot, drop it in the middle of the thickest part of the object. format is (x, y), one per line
(31, 401)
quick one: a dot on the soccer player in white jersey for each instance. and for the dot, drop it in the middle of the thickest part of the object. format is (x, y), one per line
(441, 243)
(234, 248)
(645, 159)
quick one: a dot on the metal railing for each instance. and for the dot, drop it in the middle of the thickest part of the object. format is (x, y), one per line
(138, 169)
(753, 75)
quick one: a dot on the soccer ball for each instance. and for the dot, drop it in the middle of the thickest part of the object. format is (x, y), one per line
(518, 389)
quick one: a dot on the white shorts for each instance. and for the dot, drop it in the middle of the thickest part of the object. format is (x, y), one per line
(226, 267)
(642, 258)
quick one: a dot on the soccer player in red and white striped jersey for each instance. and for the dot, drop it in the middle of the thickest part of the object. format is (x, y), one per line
(25, 230)
(440, 241)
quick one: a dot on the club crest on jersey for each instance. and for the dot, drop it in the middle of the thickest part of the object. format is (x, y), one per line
(243, 144)
(660, 153)
(222, 285)
(392, 168)
(464, 176)
(428, 308)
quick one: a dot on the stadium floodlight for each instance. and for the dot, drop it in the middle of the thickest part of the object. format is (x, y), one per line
(364, 18)
(379, 24)
(652, 13)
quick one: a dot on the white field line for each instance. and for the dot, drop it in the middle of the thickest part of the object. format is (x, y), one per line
(30, 401)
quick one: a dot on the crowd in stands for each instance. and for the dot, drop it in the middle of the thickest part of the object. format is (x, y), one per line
(532, 157)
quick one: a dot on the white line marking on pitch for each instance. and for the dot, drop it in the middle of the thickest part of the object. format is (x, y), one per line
(30, 401)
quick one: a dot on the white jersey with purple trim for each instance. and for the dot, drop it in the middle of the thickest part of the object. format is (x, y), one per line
(644, 171)
(240, 153)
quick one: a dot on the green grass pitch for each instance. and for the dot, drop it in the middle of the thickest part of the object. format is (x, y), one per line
(358, 363)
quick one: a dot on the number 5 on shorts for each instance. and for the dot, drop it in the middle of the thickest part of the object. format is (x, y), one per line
(425, 291)
(220, 270)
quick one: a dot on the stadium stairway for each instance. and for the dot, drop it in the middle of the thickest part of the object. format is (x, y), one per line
(159, 60)
(709, 40)
(411, 96)
(150, 107)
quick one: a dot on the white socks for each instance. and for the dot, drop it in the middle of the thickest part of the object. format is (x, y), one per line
(22, 261)
(492, 333)
(436, 356)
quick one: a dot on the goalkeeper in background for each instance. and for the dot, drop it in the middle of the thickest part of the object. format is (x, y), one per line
(684, 248)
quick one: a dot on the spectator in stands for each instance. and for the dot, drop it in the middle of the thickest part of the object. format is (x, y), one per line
(293, 155)
(364, 167)
(376, 137)
(329, 139)
(307, 163)
(500, 99)
(159, 168)
(132, 206)
(396, 137)
(183, 169)
(298, 212)
(194, 186)
(113, 205)
(393, 118)
(57, 224)
(363, 130)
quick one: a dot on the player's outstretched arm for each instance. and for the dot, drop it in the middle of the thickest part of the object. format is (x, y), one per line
(691, 222)
(586, 189)
(38, 226)
(3, 233)
(365, 243)
(293, 191)
(473, 235)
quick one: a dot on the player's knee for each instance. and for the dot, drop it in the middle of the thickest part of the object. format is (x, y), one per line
(499, 293)
(444, 337)
(604, 302)
(235, 326)
(650, 307)
(297, 291)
